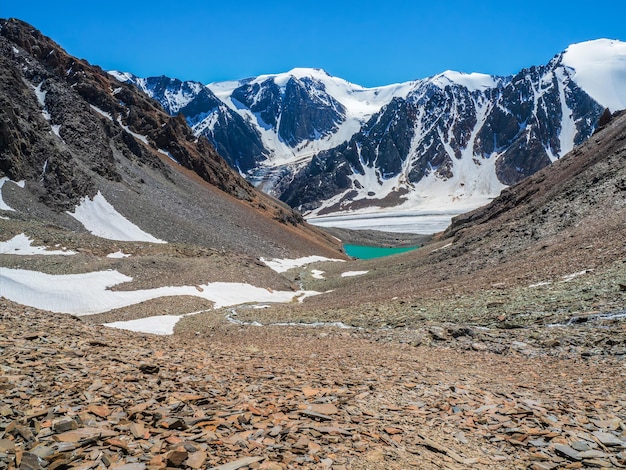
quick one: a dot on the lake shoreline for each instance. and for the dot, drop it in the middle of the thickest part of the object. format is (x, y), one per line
(378, 238)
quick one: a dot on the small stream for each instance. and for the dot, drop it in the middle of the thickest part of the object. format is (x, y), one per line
(233, 313)
(601, 317)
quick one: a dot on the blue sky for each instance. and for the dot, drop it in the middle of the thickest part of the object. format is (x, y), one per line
(367, 42)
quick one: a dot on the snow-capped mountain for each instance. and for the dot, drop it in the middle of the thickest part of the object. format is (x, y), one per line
(457, 140)
(234, 138)
(325, 145)
(304, 111)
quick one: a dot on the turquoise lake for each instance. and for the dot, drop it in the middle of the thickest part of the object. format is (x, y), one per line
(369, 252)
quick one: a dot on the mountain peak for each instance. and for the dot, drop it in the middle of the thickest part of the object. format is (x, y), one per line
(472, 81)
(600, 69)
(301, 72)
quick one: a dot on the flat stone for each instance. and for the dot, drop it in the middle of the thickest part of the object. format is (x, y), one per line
(581, 446)
(31, 461)
(99, 410)
(238, 463)
(64, 425)
(83, 434)
(592, 454)
(324, 408)
(137, 430)
(598, 463)
(196, 459)
(476, 346)
(173, 423)
(438, 333)
(176, 457)
(7, 445)
(567, 452)
(607, 439)
(392, 431)
(316, 416)
(129, 466)
(149, 368)
(42, 451)
(543, 466)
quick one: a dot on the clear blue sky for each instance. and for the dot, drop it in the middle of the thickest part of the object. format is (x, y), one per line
(367, 42)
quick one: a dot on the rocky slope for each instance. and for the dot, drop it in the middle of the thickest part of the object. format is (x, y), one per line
(247, 397)
(70, 130)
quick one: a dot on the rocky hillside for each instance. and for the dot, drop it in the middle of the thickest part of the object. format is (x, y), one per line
(71, 131)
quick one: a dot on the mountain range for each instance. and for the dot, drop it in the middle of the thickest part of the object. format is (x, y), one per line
(454, 140)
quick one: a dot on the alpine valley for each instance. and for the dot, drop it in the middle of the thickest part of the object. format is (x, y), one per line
(450, 142)
(159, 312)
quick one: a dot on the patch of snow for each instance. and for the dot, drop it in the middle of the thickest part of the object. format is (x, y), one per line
(600, 69)
(56, 128)
(283, 265)
(569, 277)
(41, 97)
(118, 254)
(567, 133)
(101, 219)
(21, 244)
(5, 179)
(353, 273)
(442, 247)
(89, 293)
(168, 155)
(317, 274)
(540, 284)
(156, 325)
(101, 112)
(471, 81)
(140, 137)
(121, 76)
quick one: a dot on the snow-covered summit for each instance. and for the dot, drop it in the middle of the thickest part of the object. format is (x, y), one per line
(472, 81)
(360, 102)
(600, 70)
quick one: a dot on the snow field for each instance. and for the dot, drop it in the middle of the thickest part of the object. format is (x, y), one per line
(101, 219)
(21, 244)
(89, 293)
(283, 265)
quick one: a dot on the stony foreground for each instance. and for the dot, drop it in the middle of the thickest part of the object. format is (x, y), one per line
(76, 395)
